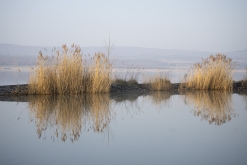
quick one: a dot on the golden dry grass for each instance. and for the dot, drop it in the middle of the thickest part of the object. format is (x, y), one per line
(70, 114)
(69, 72)
(100, 74)
(213, 73)
(213, 106)
(161, 81)
(42, 79)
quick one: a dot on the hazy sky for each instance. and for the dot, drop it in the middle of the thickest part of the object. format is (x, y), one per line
(206, 25)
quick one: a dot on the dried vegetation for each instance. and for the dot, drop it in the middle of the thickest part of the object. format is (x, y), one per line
(71, 72)
(160, 81)
(213, 73)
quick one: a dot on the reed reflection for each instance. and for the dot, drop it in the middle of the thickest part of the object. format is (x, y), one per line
(127, 103)
(214, 106)
(68, 114)
(131, 103)
(160, 98)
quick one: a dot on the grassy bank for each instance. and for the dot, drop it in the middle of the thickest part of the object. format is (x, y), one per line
(71, 72)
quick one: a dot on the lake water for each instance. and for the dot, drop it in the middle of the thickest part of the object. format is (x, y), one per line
(156, 128)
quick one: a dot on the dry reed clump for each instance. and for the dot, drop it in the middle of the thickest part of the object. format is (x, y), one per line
(68, 114)
(161, 81)
(213, 73)
(43, 78)
(69, 72)
(69, 69)
(213, 106)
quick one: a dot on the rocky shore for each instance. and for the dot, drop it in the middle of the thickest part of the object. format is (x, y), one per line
(14, 90)
(115, 88)
(19, 93)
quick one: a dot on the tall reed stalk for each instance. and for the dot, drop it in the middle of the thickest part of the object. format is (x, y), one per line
(42, 79)
(100, 74)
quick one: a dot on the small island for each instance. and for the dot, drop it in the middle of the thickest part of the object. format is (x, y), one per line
(71, 73)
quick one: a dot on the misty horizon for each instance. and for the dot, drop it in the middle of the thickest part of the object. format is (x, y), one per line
(211, 26)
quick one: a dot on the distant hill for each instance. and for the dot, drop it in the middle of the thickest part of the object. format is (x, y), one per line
(123, 56)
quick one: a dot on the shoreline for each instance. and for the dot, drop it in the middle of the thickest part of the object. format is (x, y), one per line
(22, 89)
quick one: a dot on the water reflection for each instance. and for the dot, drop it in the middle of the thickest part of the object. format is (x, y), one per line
(127, 103)
(214, 106)
(244, 95)
(160, 98)
(69, 114)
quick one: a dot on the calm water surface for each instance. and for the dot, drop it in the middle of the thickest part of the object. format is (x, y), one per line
(158, 128)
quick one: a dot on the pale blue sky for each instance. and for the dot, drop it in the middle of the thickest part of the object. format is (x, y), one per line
(206, 25)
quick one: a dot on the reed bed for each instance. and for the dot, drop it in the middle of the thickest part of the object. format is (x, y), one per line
(68, 115)
(213, 73)
(213, 106)
(71, 72)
